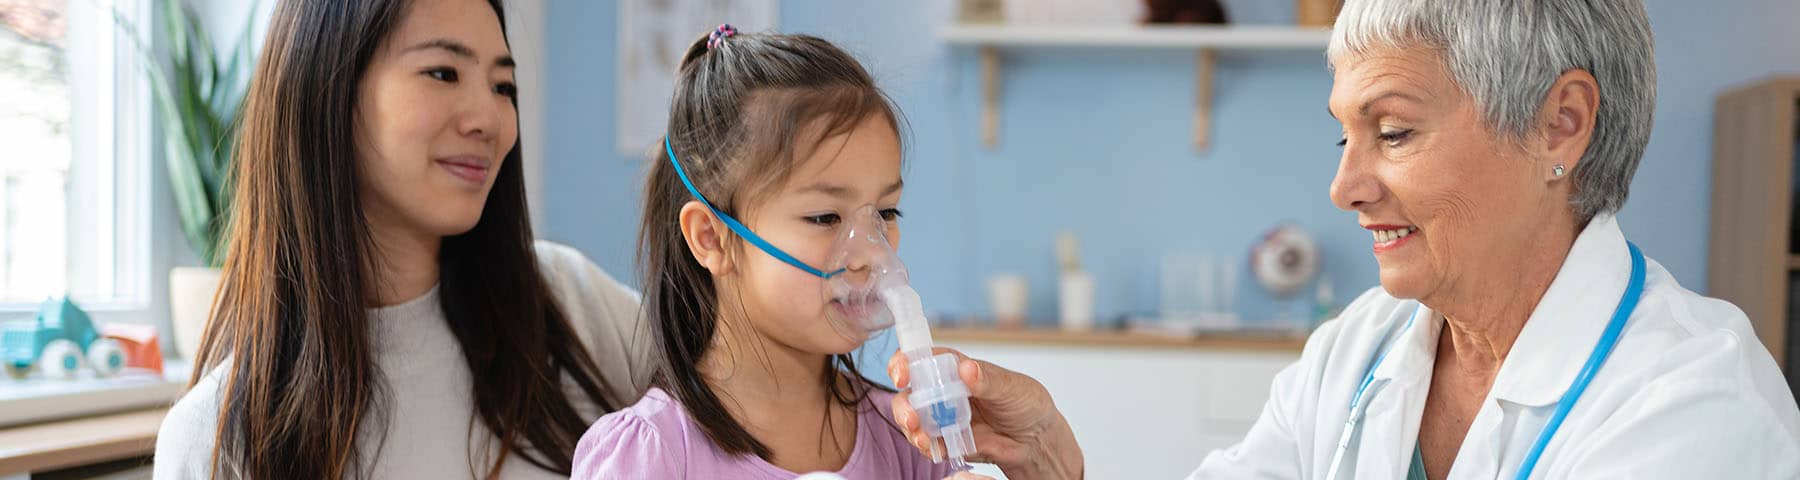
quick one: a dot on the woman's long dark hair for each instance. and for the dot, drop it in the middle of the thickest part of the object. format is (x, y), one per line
(740, 110)
(291, 312)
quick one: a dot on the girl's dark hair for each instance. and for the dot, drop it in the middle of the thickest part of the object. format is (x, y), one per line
(291, 315)
(740, 113)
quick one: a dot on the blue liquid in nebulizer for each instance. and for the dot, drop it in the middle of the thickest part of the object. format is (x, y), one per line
(943, 414)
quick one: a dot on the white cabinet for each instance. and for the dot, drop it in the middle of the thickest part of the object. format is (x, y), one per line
(1145, 411)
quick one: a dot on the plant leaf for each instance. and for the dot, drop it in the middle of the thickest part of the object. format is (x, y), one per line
(197, 95)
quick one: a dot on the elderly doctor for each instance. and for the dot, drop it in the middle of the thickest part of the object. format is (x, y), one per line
(1517, 333)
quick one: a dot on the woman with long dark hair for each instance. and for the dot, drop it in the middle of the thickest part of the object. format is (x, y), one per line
(384, 311)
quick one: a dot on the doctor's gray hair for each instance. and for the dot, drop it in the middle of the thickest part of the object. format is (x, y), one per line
(1507, 54)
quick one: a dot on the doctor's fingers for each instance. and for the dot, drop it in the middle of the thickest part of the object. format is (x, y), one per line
(897, 367)
(989, 384)
(1013, 402)
(991, 446)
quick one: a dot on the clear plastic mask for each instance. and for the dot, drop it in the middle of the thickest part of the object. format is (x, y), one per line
(863, 262)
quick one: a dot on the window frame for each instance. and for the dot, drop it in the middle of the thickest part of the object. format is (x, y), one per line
(121, 222)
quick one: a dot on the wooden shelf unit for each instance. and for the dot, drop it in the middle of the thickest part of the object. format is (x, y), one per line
(1750, 263)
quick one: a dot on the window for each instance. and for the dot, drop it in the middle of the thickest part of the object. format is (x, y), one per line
(74, 156)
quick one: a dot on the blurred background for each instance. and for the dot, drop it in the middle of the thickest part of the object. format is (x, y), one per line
(1122, 210)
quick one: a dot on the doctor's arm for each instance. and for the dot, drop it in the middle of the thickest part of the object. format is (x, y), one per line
(1016, 424)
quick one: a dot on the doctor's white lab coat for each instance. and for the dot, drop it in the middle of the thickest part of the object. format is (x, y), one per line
(1688, 392)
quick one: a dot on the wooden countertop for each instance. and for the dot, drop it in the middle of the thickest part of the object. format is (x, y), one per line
(1271, 342)
(80, 441)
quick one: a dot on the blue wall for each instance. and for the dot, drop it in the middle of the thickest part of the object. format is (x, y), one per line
(1097, 142)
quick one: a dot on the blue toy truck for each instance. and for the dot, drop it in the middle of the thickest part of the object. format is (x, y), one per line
(57, 343)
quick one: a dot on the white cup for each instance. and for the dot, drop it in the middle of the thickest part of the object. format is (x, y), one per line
(1009, 296)
(1076, 299)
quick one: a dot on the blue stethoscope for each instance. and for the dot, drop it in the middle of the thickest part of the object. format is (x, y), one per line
(1627, 303)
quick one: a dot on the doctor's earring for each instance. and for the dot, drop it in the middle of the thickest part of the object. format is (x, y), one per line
(1558, 170)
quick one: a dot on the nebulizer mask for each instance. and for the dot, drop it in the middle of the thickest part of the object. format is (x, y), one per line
(867, 288)
(862, 264)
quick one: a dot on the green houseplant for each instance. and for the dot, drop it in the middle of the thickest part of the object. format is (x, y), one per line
(197, 95)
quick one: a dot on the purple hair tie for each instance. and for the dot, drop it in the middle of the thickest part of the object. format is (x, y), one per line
(719, 35)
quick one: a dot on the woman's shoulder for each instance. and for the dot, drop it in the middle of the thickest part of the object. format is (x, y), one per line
(1683, 329)
(184, 442)
(1688, 343)
(1687, 362)
(603, 312)
(646, 440)
(587, 293)
(566, 268)
(1687, 315)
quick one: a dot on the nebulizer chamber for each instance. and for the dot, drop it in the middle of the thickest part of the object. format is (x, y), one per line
(872, 283)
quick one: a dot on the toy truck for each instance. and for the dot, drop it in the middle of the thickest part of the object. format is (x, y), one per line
(57, 343)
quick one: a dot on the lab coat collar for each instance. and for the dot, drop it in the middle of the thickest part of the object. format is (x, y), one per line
(1400, 384)
(1568, 320)
(1411, 355)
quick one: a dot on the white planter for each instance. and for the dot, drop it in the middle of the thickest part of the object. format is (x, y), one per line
(1009, 296)
(1076, 301)
(191, 291)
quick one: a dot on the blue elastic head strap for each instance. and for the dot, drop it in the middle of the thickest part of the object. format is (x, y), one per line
(735, 226)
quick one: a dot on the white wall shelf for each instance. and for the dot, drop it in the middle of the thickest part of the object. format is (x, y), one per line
(1204, 39)
(1233, 37)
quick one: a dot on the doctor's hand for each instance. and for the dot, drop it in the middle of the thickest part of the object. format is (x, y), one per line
(1016, 424)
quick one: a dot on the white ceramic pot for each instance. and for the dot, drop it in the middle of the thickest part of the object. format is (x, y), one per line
(1076, 301)
(1008, 298)
(191, 291)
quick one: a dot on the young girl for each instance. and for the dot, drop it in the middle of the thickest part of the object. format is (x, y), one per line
(790, 135)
